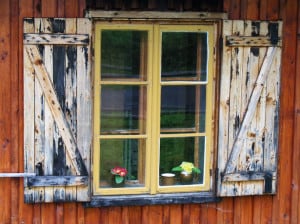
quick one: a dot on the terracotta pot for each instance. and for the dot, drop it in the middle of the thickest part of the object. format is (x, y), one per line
(186, 178)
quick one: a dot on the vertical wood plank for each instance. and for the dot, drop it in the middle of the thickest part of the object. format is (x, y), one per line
(81, 7)
(69, 213)
(48, 213)
(80, 214)
(5, 108)
(92, 215)
(125, 215)
(194, 213)
(208, 213)
(175, 214)
(71, 94)
(29, 86)
(273, 9)
(166, 214)
(84, 102)
(114, 215)
(153, 211)
(225, 211)
(282, 204)
(134, 214)
(223, 154)
(71, 7)
(253, 7)
(61, 9)
(25, 210)
(15, 92)
(295, 202)
(49, 121)
(59, 213)
(104, 218)
(49, 8)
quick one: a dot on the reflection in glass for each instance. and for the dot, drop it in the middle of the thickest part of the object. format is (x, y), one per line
(123, 53)
(122, 109)
(123, 153)
(183, 108)
(173, 151)
(184, 55)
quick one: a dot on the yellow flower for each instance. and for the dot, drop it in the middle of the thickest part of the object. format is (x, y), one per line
(187, 166)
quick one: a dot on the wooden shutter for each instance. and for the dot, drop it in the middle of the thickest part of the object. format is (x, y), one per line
(57, 109)
(249, 104)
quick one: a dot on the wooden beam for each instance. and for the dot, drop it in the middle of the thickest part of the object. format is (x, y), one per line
(46, 181)
(246, 176)
(249, 41)
(153, 15)
(61, 39)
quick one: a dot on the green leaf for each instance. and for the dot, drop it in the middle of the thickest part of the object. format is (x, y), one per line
(177, 168)
(196, 170)
(119, 179)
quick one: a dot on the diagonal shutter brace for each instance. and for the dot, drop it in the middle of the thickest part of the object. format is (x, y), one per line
(17, 175)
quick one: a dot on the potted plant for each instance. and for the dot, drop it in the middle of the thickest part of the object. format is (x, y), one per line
(187, 170)
(118, 176)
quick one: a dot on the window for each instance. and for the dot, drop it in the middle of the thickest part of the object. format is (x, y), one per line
(153, 105)
(158, 92)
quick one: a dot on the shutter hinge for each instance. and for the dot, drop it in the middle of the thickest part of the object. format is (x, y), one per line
(17, 174)
(221, 45)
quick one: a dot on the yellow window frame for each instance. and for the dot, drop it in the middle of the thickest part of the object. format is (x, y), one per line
(153, 85)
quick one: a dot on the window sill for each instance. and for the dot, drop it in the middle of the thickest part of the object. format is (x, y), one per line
(159, 199)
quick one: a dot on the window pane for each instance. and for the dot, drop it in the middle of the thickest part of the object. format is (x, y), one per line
(123, 54)
(125, 153)
(183, 108)
(184, 55)
(122, 109)
(173, 151)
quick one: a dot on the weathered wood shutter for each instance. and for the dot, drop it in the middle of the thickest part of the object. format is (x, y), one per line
(57, 109)
(249, 104)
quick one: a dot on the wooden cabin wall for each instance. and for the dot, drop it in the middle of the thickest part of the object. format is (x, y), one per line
(284, 207)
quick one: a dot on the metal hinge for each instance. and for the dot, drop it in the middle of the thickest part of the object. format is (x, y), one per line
(17, 175)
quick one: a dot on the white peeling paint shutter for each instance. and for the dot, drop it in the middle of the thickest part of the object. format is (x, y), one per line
(57, 109)
(249, 104)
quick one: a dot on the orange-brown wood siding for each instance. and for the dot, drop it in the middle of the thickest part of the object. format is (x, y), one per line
(284, 207)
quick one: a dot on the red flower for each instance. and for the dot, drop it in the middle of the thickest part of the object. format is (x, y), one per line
(119, 171)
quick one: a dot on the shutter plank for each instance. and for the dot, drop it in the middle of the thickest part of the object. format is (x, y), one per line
(84, 103)
(272, 111)
(224, 102)
(55, 107)
(71, 95)
(29, 80)
(49, 121)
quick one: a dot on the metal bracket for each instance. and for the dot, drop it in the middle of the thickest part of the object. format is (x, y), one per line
(17, 174)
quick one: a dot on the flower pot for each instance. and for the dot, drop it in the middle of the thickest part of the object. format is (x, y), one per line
(167, 179)
(115, 184)
(186, 178)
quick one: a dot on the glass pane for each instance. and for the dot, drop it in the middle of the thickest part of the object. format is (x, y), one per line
(174, 151)
(184, 56)
(123, 54)
(183, 108)
(123, 109)
(124, 153)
